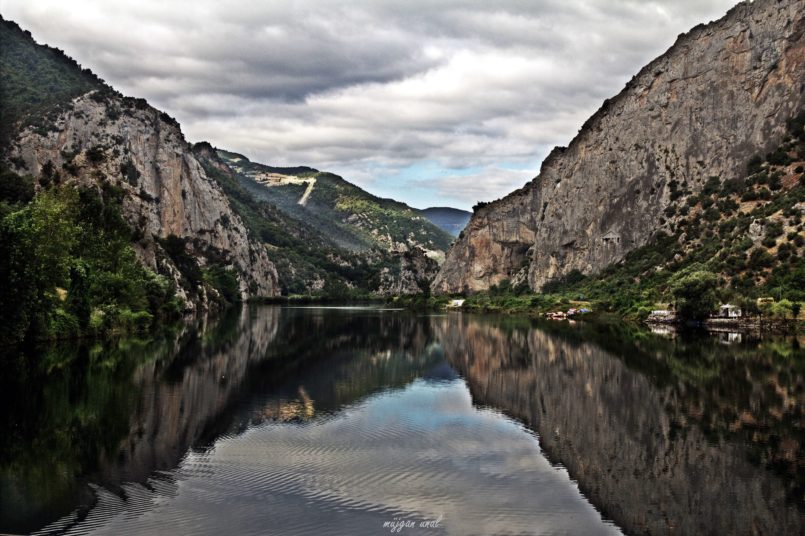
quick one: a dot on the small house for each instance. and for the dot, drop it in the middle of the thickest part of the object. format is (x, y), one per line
(455, 303)
(729, 311)
(660, 313)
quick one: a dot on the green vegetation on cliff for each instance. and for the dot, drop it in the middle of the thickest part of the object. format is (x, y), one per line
(308, 261)
(734, 242)
(352, 217)
(68, 267)
(37, 82)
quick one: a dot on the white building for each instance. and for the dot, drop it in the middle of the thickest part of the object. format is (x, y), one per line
(729, 311)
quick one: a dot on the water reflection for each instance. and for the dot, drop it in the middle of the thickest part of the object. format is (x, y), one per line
(679, 436)
(336, 421)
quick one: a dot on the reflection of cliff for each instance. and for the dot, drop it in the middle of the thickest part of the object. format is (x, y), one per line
(119, 416)
(260, 364)
(181, 399)
(618, 433)
(351, 357)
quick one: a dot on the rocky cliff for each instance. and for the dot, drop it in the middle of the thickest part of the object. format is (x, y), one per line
(104, 140)
(721, 94)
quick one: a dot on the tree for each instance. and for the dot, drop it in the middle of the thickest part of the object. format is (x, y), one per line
(35, 245)
(782, 309)
(694, 294)
(78, 295)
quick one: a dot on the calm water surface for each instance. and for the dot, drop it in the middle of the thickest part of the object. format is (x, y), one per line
(368, 421)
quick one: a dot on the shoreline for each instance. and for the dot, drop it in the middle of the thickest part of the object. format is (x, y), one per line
(521, 305)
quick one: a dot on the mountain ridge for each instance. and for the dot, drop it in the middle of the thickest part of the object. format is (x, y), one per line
(356, 218)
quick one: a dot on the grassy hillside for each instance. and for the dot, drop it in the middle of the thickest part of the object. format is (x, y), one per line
(37, 81)
(352, 217)
(735, 242)
(308, 261)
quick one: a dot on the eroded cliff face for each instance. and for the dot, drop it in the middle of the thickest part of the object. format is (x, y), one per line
(720, 95)
(411, 274)
(127, 144)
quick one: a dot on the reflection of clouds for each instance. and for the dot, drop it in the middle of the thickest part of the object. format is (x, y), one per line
(417, 453)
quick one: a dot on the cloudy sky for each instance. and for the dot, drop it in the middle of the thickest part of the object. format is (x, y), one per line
(430, 102)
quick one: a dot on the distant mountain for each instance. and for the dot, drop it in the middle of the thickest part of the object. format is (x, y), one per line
(452, 220)
(350, 216)
(312, 259)
(235, 158)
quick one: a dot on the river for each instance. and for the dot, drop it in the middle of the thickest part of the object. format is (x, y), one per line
(317, 420)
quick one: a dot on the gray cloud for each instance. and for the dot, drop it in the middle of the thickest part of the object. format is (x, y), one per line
(373, 90)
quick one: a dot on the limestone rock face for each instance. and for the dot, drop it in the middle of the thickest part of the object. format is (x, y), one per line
(721, 94)
(413, 269)
(135, 147)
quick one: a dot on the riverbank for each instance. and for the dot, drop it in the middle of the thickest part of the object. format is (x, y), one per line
(538, 305)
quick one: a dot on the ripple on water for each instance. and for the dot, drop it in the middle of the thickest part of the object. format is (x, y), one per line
(420, 453)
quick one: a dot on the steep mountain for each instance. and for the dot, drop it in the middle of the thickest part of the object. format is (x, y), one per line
(452, 220)
(311, 259)
(692, 118)
(352, 217)
(68, 131)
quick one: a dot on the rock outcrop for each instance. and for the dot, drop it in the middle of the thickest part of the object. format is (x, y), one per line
(410, 274)
(105, 140)
(721, 94)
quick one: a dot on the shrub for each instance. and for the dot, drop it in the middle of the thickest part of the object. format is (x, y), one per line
(732, 186)
(727, 206)
(694, 294)
(774, 229)
(129, 172)
(760, 258)
(769, 242)
(711, 186)
(782, 309)
(711, 214)
(96, 154)
(779, 157)
(14, 188)
(754, 165)
(225, 281)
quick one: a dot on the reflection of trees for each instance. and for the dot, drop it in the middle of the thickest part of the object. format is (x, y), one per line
(667, 436)
(117, 413)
